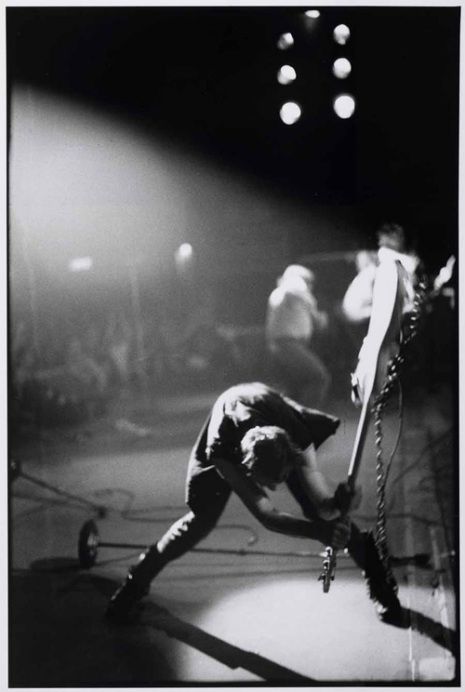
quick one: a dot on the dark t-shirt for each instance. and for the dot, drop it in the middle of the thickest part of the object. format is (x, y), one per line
(241, 408)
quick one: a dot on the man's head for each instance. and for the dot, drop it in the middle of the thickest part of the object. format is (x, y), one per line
(392, 236)
(296, 274)
(268, 455)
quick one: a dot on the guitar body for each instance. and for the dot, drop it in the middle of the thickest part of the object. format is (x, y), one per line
(380, 345)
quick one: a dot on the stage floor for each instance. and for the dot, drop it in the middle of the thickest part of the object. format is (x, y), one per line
(250, 609)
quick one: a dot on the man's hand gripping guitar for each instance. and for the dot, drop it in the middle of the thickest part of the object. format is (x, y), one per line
(337, 533)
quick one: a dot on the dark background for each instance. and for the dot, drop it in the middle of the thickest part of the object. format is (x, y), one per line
(171, 133)
(192, 95)
(207, 76)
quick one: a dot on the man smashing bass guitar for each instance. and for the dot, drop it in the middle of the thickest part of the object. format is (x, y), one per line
(254, 440)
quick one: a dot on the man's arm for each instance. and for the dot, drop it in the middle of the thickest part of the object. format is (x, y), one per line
(328, 505)
(258, 503)
(315, 485)
(358, 299)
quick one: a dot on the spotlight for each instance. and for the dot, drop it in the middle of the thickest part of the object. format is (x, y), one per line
(290, 112)
(184, 252)
(344, 106)
(286, 74)
(313, 14)
(341, 34)
(342, 68)
(285, 41)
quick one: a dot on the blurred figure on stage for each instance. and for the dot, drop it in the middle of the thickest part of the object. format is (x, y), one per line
(118, 341)
(392, 246)
(86, 378)
(357, 301)
(292, 319)
(353, 314)
(253, 440)
(398, 271)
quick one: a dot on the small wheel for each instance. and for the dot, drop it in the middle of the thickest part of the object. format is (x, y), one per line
(88, 544)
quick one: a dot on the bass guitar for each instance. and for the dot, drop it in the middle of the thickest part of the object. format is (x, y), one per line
(380, 346)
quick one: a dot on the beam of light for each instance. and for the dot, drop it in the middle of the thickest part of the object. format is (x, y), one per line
(285, 41)
(80, 264)
(344, 106)
(342, 68)
(286, 74)
(313, 14)
(290, 112)
(341, 34)
(79, 178)
(278, 608)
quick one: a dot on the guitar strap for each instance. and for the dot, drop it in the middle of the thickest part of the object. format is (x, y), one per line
(407, 334)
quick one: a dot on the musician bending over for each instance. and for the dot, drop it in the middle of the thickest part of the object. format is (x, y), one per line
(253, 440)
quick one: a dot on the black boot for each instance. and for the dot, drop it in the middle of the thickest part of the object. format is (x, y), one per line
(135, 586)
(381, 583)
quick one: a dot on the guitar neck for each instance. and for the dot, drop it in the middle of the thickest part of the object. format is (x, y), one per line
(359, 442)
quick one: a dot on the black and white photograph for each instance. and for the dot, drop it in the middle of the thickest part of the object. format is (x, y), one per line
(232, 260)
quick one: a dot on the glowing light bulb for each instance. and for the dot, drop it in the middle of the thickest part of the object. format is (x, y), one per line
(342, 68)
(286, 74)
(80, 264)
(341, 34)
(290, 112)
(344, 106)
(285, 41)
(313, 14)
(184, 251)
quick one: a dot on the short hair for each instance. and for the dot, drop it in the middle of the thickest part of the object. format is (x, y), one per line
(267, 447)
(294, 271)
(392, 230)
